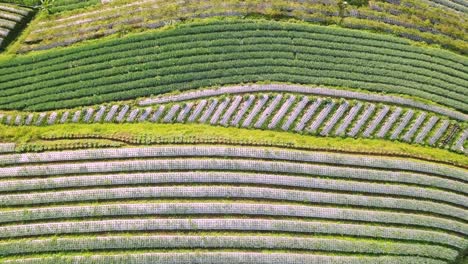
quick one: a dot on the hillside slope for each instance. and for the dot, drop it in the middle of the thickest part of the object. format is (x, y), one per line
(235, 132)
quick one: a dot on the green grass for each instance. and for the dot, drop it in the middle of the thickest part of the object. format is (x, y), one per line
(22, 135)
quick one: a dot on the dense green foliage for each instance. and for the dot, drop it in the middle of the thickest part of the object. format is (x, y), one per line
(227, 52)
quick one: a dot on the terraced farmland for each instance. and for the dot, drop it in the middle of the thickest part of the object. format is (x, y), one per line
(12, 19)
(264, 111)
(248, 51)
(75, 27)
(460, 6)
(259, 192)
(234, 132)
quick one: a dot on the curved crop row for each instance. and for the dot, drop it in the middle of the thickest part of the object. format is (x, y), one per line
(261, 166)
(316, 197)
(314, 62)
(12, 18)
(65, 5)
(398, 46)
(344, 203)
(235, 178)
(227, 258)
(94, 180)
(321, 91)
(250, 242)
(378, 16)
(363, 230)
(118, 242)
(234, 165)
(265, 112)
(316, 212)
(460, 6)
(348, 160)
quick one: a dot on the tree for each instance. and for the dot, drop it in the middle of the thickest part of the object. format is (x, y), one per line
(46, 5)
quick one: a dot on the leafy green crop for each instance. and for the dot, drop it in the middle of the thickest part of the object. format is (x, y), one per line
(231, 52)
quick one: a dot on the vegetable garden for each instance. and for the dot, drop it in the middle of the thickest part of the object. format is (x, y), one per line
(221, 53)
(422, 22)
(234, 132)
(298, 113)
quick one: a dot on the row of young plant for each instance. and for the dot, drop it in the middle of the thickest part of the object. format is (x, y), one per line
(67, 30)
(193, 241)
(279, 111)
(431, 26)
(256, 209)
(151, 140)
(373, 169)
(389, 190)
(439, 21)
(216, 191)
(452, 225)
(231, 165)
(246, 152)
(111, 81)
(375, 247)
(67, 144)
(331, 213)
(7, 147)
(334, 245)
(225, 257)
(145, 139)
(344, 215)
(12, 18)
(306, 90)
(368, 216)
(433, 223)
(263, 178)
(162, 224)
(416, 8)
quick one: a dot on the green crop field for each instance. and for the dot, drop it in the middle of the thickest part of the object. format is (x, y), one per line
(234, 132)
